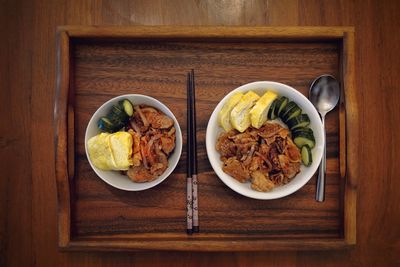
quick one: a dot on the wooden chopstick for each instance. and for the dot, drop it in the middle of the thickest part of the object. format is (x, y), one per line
(194, 154)
(189, 155)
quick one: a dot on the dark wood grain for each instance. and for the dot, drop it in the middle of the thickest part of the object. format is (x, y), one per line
(102, 69)
(15, 136)
(64, 137)
(29, 218)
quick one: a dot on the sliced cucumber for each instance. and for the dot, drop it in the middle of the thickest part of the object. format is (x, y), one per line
(117, 113)
(302, 139)
(287, 108)
(106, 125)
(293, 113)
(291, 110)
(275, 110)
(306, 156)
(117, 117)
(307, 130)
(271, 113)
(127, 107)
(281, 105)
(116, 120)
(300, 121)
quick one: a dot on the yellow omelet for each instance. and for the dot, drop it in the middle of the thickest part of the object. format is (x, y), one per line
(225, 113)
(240, 114)
(121, 147)
(111, 151)
(258, 114)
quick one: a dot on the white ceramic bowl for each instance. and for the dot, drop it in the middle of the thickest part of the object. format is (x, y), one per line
(115, 178)
(213, 131)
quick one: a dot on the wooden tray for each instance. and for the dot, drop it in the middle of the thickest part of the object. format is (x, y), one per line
(98, 63)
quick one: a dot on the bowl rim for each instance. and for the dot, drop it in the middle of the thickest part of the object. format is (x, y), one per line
(178, 149)
(217, 165)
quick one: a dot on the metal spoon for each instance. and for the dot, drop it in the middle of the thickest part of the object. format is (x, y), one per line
(324, 94)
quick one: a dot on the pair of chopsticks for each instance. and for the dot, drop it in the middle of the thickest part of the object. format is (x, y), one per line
(192, 217)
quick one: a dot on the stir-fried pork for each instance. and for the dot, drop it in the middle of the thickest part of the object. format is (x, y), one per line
(266, 156)
(153, 140)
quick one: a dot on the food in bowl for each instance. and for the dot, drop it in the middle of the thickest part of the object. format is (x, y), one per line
(265, 139)
(136, 140)
(267, 156)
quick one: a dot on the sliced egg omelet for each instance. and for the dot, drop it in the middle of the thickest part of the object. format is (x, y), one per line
(111, 151)
(240, 114)
(225, 113)
(121, 147)
(258, 114)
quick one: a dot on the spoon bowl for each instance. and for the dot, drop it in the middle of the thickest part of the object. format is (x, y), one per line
(324, 93)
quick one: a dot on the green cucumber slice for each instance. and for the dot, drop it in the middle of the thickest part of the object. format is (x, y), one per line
(118, 114)
(307, 130)
(299, 121)
(302, 139)
(293, 113)
(106, 125)
(287, 109)
(306, 156)
(127, 107)
(271, 114)
(292, 110)
(281, 105)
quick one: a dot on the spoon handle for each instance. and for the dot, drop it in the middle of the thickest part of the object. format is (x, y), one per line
(320, 194)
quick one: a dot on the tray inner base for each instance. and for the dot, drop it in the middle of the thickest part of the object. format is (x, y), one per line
(102, 70)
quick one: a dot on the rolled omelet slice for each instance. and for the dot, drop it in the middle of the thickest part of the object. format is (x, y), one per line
(111, 151)
(258, 114)
(225, 113)
(121, 147)
(100, 152)
(240, 114)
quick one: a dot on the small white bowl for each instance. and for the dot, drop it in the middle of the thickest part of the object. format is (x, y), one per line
(213, 131)
(115, 178)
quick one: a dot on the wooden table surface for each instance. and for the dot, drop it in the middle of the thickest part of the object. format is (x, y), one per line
(28, 211)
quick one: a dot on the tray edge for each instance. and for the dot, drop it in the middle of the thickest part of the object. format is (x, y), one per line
(351, 139)
(63, 118)
(62, 156)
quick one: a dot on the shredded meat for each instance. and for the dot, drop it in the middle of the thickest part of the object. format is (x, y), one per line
(225, 146)
(157, 119)
(137, 157)
(270, 131)
(267, 155)
(168, 144)
(137, 123)
(289, 169)
(243, 138)
(292, 151)
(277, 178)
(234, 168)
(153, 140)
(261, 182)
(139, 174)
(256, 163)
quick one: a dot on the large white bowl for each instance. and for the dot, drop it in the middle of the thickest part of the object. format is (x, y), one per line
(115, 178)
(213, 131)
